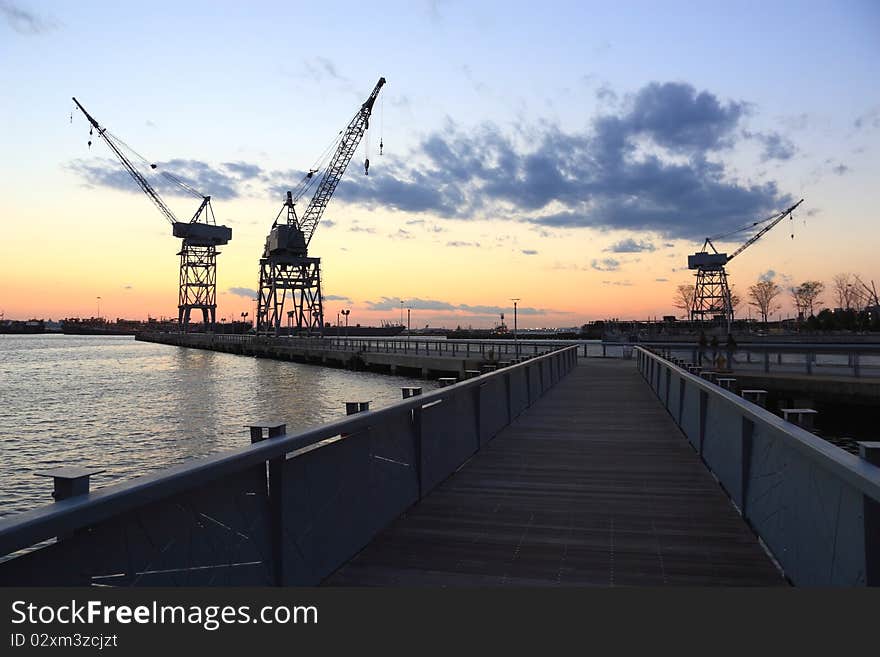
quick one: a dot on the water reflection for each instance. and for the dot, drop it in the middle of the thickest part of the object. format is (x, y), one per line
(133, 407)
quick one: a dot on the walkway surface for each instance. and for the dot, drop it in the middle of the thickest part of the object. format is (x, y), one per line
(594, 485)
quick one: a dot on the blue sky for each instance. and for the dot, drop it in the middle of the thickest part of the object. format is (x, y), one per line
(661, 121)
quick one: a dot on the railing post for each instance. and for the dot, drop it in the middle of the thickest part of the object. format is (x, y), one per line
(870, 452)
(275, 487)
(855, 364)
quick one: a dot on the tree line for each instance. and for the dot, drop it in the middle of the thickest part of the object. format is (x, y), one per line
(852, 295)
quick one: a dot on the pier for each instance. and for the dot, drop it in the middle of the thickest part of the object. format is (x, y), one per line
(551, 471)
(411, 356)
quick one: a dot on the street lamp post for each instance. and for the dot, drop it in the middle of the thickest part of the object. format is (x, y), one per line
(289, 322)
(99, 307)
(401, 312)
(408, 311)
(515, 344)
(346, 313)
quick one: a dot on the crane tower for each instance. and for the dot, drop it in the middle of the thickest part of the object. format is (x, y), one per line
(712, 293)
(200, 236)
(286, 267)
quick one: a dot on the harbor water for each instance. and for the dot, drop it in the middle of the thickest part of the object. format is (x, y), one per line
(130, 408)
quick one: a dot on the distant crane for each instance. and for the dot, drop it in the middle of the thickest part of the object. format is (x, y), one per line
(712, 294)
(200, 236)
(285, 265)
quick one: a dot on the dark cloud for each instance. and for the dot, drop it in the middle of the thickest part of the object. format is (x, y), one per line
(841, 169)
(243, 170)
(24, 21)
(243, 292)
(529, 252)
(606, 264)
(362, 229)
(630, 245)
(775, 146)
(337, 297)
(598, 178)
(661, 280)
(226, 181)
(768, 275)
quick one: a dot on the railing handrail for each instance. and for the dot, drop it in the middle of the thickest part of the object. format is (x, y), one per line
(789, 347)
(852, 469)
(29, 527)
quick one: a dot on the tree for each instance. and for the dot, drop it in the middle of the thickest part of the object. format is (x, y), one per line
(684, 298)
(806, 297)
(735, 300)
(762, 295)
(846, 291)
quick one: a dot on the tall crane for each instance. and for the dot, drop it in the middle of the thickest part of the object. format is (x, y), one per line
(286, 266)
(200, 235)
(711, 293)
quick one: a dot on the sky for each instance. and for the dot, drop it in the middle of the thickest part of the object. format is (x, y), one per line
(568, 154)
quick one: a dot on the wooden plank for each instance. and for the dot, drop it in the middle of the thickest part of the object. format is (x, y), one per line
(594, 485)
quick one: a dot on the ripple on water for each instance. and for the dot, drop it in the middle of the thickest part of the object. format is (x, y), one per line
(133, 407)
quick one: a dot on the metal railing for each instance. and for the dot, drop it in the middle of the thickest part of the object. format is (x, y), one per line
(491, 349)
(815, 506)
(286, 510)
(855, 360)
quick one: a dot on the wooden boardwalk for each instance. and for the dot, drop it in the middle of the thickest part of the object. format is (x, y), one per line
(594, 485)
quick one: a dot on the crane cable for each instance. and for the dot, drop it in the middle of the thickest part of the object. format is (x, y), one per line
(381, 124)
(308, 180)
(180, 183)
(746, 227)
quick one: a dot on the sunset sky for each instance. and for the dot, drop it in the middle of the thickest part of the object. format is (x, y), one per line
(568, 154)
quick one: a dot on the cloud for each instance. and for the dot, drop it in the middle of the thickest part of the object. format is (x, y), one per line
(243, 292)
(321, 69)
(652, 164)
(24, 21)
(457, 244)
(661, 280)
(606, 264)
(393, 303)
(768, 275)
(401, 234)
(870, 119)
(529, 252)
(362, 229)
(630, 245)
(226, 181)
(337, 297)
(127, 287)
(776, 146)
(841, 169)
(619, 283)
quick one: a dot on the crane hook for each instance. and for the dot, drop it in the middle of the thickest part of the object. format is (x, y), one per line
(367, 167)
(381, 145)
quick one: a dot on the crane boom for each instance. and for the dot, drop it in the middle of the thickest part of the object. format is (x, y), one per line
(336, 168)
(754, 238)
(130, 168)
